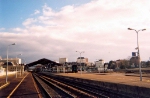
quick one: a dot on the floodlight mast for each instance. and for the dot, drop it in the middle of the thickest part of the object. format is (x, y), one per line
(138, 53)
(80, 60)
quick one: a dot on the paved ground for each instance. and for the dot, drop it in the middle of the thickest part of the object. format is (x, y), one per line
(3, 77)
(13, 83)
(26, 89)
(121, 78)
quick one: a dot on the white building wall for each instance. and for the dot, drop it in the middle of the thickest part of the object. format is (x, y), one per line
(100, 64)
(83, 60)
(63, 60)
(19, 60)
(89, 64)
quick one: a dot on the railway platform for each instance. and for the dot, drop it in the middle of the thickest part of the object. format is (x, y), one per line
(20, 87)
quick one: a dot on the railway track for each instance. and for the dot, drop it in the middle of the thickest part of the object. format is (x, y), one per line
(55, 89)
(55, 86)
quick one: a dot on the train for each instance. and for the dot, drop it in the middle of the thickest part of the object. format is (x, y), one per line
(74, 68)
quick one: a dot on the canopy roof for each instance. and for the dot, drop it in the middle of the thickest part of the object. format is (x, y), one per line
(44, 61)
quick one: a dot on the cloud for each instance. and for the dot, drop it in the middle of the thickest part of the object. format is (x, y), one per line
(99, 28)
(1, 29)
(29, 21)
(47, 11)
(36, 12)
(19, 30)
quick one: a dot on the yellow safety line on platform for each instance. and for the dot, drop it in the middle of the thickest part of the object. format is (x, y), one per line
(148, 80)
(16, 87)
(4, 85)
(36, 88)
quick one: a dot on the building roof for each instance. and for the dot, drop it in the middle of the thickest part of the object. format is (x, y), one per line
(43, 61)
(81, 57)
(9, 63)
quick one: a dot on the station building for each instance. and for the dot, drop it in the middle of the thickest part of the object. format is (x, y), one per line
(14, 64)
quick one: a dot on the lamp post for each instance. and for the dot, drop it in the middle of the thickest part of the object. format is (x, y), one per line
(7, 61)
(80, 60)
(138, 53)
(23, 60)
(17, 64)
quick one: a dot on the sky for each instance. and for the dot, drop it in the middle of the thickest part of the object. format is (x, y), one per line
(56, 29)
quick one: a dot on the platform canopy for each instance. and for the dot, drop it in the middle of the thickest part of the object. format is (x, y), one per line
(44, 61)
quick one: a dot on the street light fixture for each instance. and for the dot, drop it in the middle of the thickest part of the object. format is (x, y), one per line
(138, 53)
(7, 61)
(80, 60)
(17, 64)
